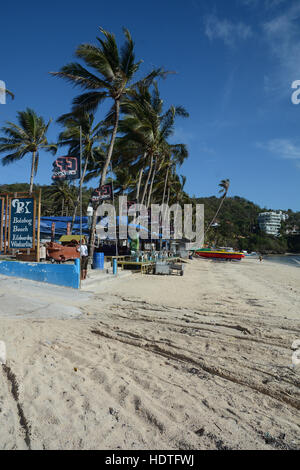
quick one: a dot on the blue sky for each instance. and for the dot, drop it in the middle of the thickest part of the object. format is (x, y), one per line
(235, 62)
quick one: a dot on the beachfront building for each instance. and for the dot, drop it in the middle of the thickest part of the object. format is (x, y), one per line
(270, 222)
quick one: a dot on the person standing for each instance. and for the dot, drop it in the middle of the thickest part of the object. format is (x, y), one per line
(83, 250)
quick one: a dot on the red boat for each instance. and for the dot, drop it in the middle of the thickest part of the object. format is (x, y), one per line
(220, 254)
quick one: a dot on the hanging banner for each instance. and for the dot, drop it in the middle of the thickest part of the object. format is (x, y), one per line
(21, 223)
(66, 168)
(2, 223)
(104, 193)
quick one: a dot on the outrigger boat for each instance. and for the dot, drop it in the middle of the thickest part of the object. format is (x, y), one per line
(219, 254)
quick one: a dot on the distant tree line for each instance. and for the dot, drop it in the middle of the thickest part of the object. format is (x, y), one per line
(236, 225)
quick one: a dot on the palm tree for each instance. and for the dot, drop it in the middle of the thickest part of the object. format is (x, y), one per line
(91, 137)
(124, 180)
(224, 185)
(115, 69)
(62, 194)
(28, 136)
(149, 127)
(4, 90)
(175, 156)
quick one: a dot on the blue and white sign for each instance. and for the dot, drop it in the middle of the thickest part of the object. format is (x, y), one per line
(22, 219)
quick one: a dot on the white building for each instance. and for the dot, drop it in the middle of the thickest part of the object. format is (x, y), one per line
(270, 222)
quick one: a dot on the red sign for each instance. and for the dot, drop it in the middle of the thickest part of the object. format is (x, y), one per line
(66, 168)
(104, 193)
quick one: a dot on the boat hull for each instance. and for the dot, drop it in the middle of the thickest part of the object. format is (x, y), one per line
(220, 255)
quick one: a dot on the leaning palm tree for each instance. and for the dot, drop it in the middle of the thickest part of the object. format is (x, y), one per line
(114, 72)
(148, 126)
(4, 91)
(28, 136)
(224, 185)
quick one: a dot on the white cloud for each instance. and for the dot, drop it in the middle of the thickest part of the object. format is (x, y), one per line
(282, 36)
(285, 148)
(226, 30)
(267, 4)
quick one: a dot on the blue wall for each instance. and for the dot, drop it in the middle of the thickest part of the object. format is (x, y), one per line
(67, 275)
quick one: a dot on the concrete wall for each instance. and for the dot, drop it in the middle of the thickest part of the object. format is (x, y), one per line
(67, 275)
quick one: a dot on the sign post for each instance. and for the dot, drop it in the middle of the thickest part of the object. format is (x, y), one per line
(2, 223)
(21, 230)
(6, 224)
(39, 228)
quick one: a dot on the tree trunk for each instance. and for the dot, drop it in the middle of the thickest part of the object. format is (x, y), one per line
(140, 178)
(78, 197)
(139, 185)
(147, 180)
(163, 201)
(168, 198)
(103, 178)
(32, 172)
(165, 187)
(151, 185)
(111, 145)
(216, 215)
(62, 207)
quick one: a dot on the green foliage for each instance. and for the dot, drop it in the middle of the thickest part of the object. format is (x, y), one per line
(265, 244)
(293, 242)
(28, 136)
(238, 227)
(51, 203)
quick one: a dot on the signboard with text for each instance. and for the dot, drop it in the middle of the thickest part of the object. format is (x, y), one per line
(21, 223)
(66, 168)
(104, 193)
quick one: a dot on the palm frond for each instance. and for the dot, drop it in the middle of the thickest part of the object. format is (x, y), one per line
(77, 75)
(89, 101)
(13, 157)
(96, 59)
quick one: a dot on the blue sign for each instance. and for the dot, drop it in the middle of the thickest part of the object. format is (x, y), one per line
(22, 223)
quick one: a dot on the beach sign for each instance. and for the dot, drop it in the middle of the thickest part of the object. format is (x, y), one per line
(21, 223)
(66, 168)
(103, 193)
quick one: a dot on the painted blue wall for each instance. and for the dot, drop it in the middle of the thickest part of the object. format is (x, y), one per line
(67, 275)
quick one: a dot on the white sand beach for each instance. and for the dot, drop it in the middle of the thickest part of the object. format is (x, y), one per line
(201, 361)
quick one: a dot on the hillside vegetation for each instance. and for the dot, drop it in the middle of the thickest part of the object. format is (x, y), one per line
(237, 222)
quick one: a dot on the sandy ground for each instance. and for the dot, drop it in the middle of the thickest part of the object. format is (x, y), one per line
(201, 361)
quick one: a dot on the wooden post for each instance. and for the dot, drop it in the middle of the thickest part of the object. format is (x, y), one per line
(13, 251)
(1, 222)
(39, 228)
(6, 222)
(53, 231)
